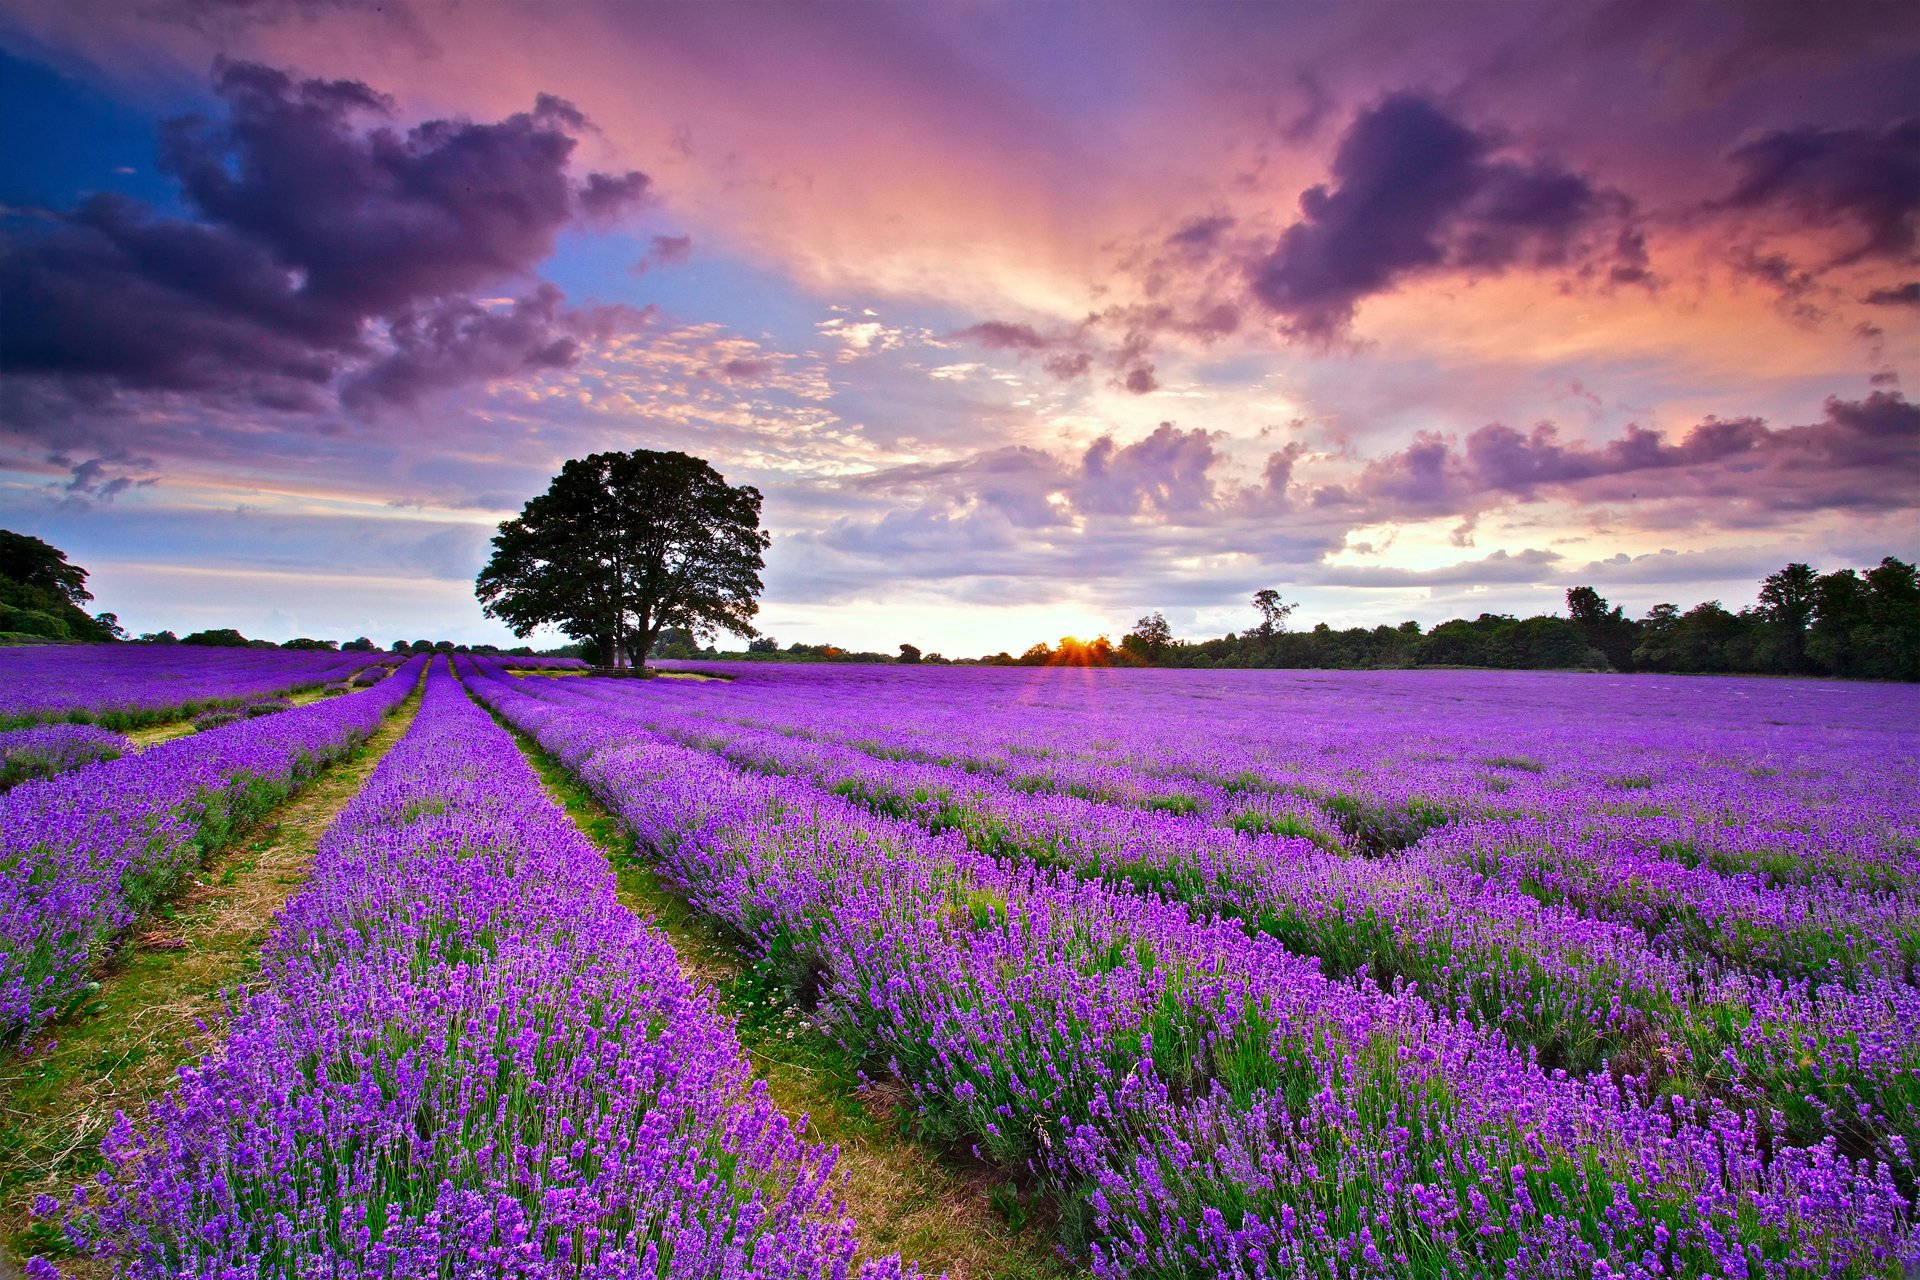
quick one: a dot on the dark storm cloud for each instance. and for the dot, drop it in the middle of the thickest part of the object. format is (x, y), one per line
(1413, 191)
(1861, 184)
(316, 222)
(1861, 455)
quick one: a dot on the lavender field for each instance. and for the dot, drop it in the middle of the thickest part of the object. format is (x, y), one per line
(1232, 973)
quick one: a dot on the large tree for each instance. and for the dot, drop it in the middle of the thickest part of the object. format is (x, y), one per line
(40, 593)
(624, 545)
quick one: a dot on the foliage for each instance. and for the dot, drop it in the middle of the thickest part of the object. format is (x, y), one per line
(1273, 613)
(41, 594)
(1151, 639)
(625, 545)
(1844, 623)
(221, 637)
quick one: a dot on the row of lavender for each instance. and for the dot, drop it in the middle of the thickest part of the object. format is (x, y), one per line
(1205, 1101)
(469, 1059)
(1804, 1004)
(84, 854)
(1372, 761)
(121, 685)
(45, 750)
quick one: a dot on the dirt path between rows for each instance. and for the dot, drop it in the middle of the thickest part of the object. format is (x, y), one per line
(121, 1052)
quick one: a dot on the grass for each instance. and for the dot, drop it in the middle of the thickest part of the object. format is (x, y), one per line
(148, 735)
(121, 1049)
(905, 1197)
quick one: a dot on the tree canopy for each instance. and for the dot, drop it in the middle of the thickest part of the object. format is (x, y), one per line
(622, 546)
(41, 594)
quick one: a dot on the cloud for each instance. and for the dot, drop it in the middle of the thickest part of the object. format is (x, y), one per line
(1859, 186)
(1165, 473)
(606, 196)
(1529, 565)
(1905, 295)
(457, 341)
(95, 479)
(1413, 191)
(1199, 237)
(318, 224)
(1862, 455)
(1002, 335)
(665, 251)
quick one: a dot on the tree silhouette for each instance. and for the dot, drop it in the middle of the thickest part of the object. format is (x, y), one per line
(1273, 613)
(624, 545)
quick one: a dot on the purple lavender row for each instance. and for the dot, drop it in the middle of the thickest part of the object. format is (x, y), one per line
(1836, 773)
(1835, 1058)
(121, 685)
(1685, 912)
(1644, 872)
(84, 854)
(519, 663)
(468, 1060)
(44, 750)
(1088, 1036)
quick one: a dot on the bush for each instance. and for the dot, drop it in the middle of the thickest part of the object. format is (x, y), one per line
(33, 622)
(267, 706)
(217, 717)
(43, 751)
(219, 638)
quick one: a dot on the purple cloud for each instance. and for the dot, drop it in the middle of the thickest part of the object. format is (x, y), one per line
(457, 341)
(1865, 182)
(1414, 191)
(317, 222)
(1167, 473)
(1002, 335)
(1905, 295)
(1861, 455)
(665, 251)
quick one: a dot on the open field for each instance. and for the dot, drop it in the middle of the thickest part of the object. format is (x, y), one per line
(817, 971)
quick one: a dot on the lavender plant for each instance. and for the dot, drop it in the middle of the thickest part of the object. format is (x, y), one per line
(469, 1059)
(1213, 1104)
(84, 854)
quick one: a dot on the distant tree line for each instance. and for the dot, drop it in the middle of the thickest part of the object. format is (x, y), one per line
(1856, 624)
(1861, 624)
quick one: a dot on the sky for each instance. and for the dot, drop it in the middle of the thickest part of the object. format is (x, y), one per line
(1026, 318)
